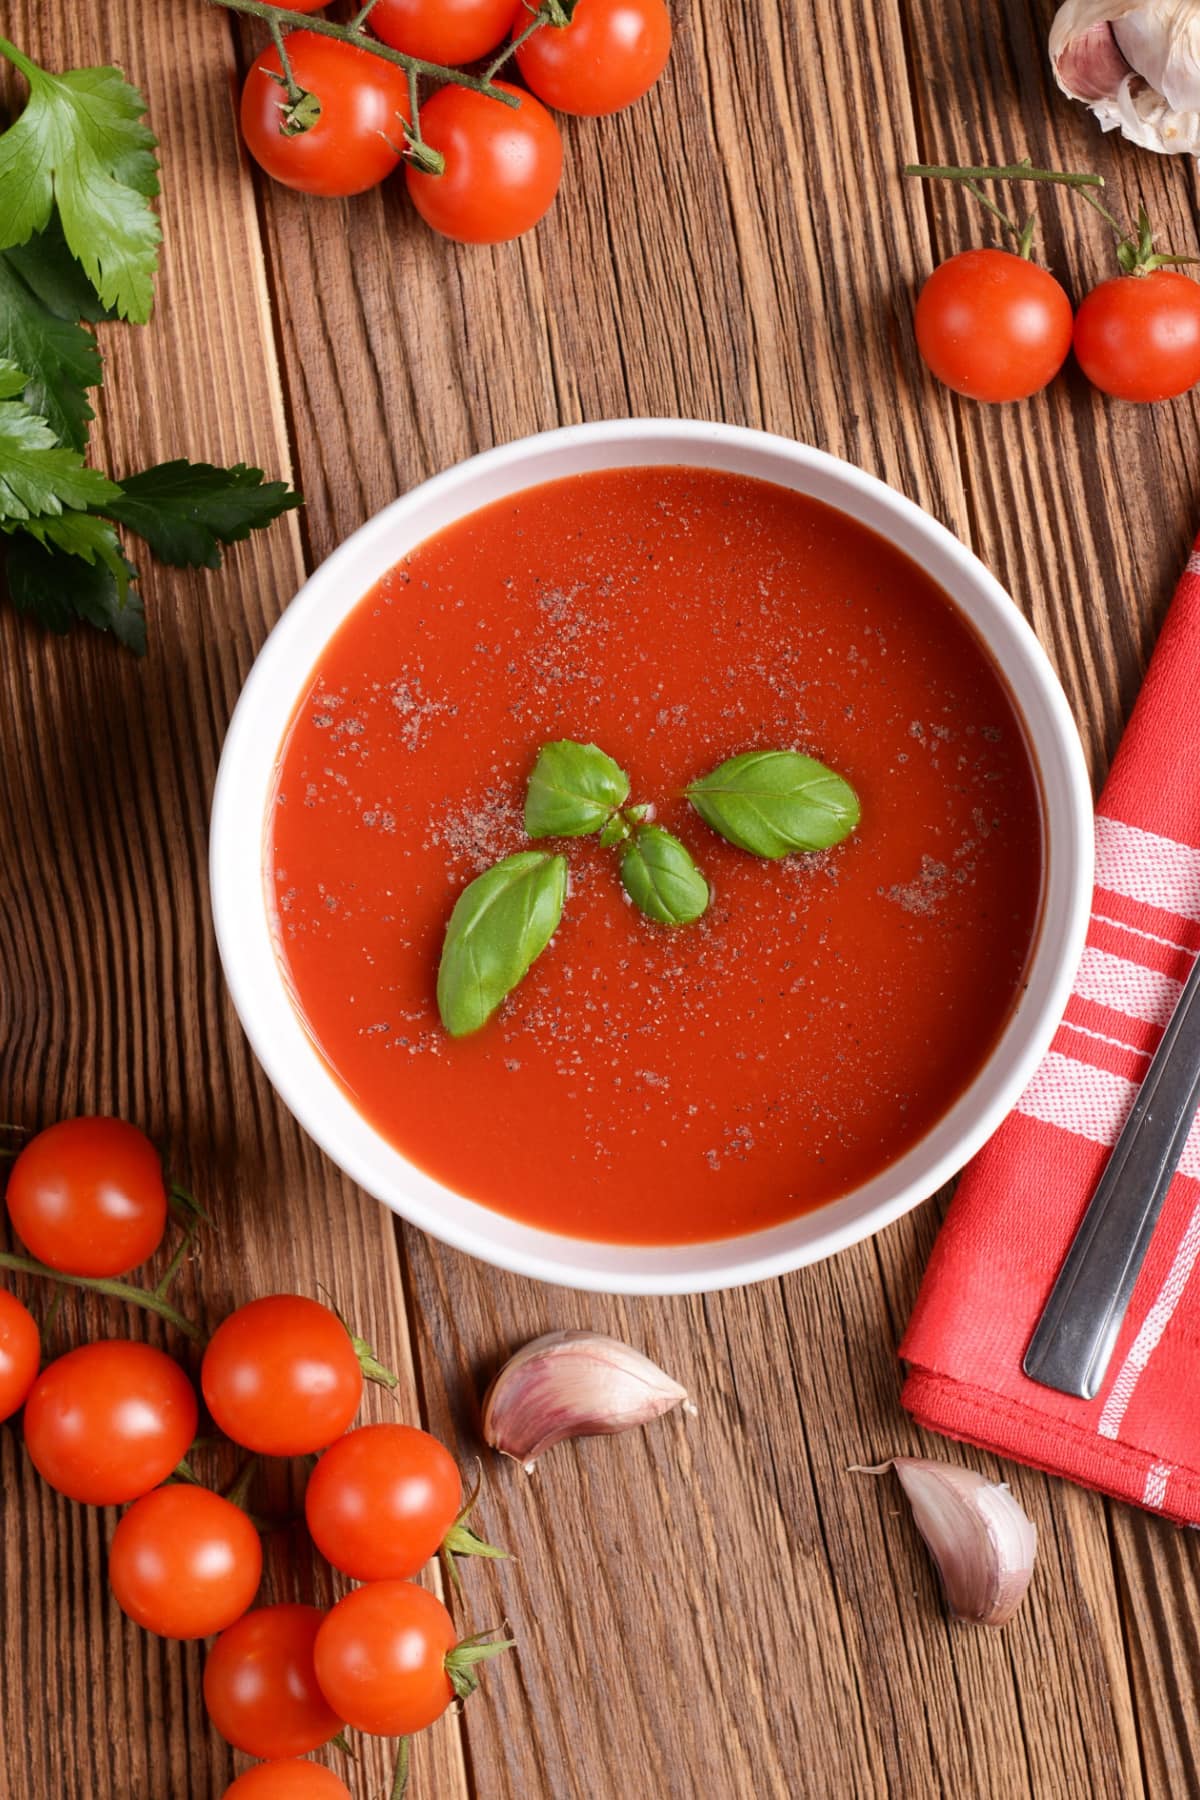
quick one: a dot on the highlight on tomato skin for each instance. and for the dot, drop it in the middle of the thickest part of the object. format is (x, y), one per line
(109, 1421)
(611, 53)
(450, 32)
(503, 165)
(260, 1684)
(281, 1376)
(20, 1353)
(1137, 337)
(184, 1562)
(381, 1500)
(345, 136)
(288, 1780)
(993, 326)
(87, 1196)
(380, 1657)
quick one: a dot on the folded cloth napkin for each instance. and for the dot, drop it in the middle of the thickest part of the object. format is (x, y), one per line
(1018, 1205)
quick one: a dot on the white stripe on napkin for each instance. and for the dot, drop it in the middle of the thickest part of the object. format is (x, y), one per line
(1127, 987)
(1092, 1103)
(1143, 866)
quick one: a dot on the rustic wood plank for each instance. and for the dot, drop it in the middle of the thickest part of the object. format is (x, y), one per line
(714, 254)
(112, 998)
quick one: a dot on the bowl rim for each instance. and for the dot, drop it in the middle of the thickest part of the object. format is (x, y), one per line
(603, 1267)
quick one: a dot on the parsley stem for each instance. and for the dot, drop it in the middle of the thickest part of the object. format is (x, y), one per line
(102, 1284)
(346, 34)
(10, 52)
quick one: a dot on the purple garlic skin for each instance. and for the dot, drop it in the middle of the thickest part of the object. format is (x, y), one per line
(982, 1541)
(573, 1384)
(1136, 64)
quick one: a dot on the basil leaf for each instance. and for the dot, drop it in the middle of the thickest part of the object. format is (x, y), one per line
(772, 802)
(660, 877)
(500, 924)
(573, 790)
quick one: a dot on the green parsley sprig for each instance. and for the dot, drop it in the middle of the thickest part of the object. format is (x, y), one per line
(79, 243)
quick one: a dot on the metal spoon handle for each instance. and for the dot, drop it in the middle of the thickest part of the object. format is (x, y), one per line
(1079, 1327)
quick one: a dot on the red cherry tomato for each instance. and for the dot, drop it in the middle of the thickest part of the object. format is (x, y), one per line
(381, 1500)
(20, 1352)
(358, 137)
(503, 166)
(184, 1563)
(260, 1685)
(993, 326)
(109, 1421)
(611, 53)
(381, 1658)
(1137, 337)
(281, 1376)
(88, 1197)
(288, 1781)
(450, 32)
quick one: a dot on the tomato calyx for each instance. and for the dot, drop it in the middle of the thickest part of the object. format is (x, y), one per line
(461, 1662)
(1136, 253)
(461, 1540)
(422, 156)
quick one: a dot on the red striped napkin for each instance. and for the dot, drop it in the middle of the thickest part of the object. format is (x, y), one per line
(1018, 1205)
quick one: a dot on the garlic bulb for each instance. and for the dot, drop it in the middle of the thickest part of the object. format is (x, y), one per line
(1136, 63)
(982, 1542)
(573, 1384)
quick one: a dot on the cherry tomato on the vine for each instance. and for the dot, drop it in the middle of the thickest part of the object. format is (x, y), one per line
(281, 1376)
(993, 326)
(20, 1351)
(109, 1421)
(450, 32)
(260, 1684)
(289, 1780)
(343, 139)
(381, 1500)
(184, 1562)
(503, 165)
(381, 1658)
(1137, 337)
(87, 1196)
(611, 53)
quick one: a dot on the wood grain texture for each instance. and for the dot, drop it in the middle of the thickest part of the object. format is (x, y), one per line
(715, 1606)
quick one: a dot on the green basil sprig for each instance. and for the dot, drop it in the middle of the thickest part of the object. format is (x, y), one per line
(773, 802)
(658, 874)
(574, 790)
(500, 925)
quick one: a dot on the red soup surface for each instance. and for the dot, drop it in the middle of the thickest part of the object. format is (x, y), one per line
(643, 1084)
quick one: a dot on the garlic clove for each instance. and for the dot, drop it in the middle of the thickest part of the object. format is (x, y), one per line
(980, 1539)
(573, 1384)
(1136, 64)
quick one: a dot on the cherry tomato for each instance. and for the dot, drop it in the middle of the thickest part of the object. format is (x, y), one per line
(109, 1421)
(358, 137)
(993, 326)
(260, 1685)
(281, 1376)
(450, 32)
(381, 1658)
(611, 53)
(20, 1352)
(288, 1781)
(502, 169)
(381, 1500)
(184, 1563)
(1137, 337)
(88, 1197)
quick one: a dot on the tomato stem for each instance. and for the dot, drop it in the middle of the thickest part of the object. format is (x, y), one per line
(102, 1284)
(400, 1776)
(295, 92)
(51, 1318)
(239, 1487)
(970, 177)
(346, 34)
(540, 17)
(360, 18)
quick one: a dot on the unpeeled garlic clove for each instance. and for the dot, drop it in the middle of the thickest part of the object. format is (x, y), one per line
(1136, 64)
(573, 1384)
(980, 1539)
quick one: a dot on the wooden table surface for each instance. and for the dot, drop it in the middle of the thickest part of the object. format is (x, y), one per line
(715, 1606)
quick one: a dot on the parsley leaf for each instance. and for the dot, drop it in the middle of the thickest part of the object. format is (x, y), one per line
(186, 510)
(60, 589)
(47, 267)
(38, 475)
(58, 355)
(81, 142)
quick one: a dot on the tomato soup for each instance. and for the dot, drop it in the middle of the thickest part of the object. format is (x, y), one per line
(645, 1084)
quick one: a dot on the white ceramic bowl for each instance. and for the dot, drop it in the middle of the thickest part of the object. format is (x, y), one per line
(246, 779)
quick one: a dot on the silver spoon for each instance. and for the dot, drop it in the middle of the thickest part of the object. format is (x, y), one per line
(1079, 1327)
